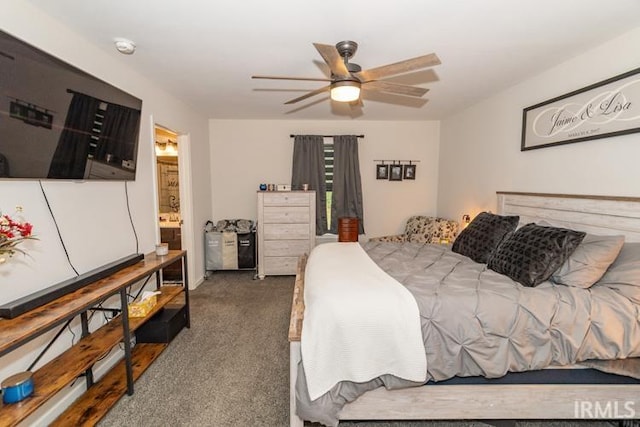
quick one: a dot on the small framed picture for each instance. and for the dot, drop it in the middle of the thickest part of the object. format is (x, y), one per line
(409, 172)
(395, 173)
(382, 171)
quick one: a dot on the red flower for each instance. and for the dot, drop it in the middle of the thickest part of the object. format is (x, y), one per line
(12, 233)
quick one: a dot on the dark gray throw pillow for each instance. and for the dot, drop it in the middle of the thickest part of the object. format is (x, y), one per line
(533, 253)
(483, 235)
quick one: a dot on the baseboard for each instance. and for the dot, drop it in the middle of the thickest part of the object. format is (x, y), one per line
(199, 282)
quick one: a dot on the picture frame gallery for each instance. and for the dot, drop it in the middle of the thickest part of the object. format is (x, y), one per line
(396, 171)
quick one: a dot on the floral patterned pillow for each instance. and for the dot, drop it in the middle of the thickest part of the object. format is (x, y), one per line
(424, 229)
(395, 238)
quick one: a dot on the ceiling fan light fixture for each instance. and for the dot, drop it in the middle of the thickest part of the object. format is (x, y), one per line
(345, 91)
(347, 78)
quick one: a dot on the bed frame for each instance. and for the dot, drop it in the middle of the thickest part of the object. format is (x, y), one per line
(595, 214)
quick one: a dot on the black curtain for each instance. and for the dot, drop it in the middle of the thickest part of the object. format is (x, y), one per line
(347, 186)
(70, 158)
(308, 168)
(119, 133)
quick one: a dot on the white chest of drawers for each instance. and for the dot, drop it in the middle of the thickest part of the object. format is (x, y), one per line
(286, 230)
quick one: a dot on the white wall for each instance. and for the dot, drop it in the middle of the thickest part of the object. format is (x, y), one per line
(93, 216)
(480, 147)
(245, 153)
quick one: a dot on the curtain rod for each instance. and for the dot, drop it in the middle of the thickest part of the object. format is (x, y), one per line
(397, 161)
(328, 136)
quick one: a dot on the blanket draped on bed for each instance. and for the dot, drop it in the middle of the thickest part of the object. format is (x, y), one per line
(359, 322)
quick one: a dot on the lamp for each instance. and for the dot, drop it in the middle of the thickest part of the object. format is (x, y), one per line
(166, 148)
(466, 219)
(161, 147)
(172, 148)
(345, 90)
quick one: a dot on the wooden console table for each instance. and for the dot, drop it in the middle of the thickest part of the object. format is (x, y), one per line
(79, 359)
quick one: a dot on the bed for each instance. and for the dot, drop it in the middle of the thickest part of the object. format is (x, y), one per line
(592, 214)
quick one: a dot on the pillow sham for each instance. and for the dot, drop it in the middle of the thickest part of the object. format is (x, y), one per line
(586, 265)
(624, 274)
(483, 235)
(533, 253)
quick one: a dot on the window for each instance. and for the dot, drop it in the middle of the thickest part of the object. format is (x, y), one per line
(96, 129)
(328, 178)
(332, 167)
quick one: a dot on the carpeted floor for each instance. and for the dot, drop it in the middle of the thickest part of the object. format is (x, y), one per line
(232, 367)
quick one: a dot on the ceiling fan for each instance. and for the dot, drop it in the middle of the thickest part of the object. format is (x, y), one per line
(348, 78)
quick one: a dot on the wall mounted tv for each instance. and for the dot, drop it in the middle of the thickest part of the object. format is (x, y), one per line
(58, 122)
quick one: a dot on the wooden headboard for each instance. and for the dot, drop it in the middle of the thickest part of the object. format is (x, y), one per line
(601, 215)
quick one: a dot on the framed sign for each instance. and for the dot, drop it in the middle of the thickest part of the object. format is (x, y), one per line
(608, 108)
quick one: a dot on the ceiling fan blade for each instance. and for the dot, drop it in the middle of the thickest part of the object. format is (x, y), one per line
(397, 88)
(309, 94)
(312, 79)
(399, 67)
(333, 59)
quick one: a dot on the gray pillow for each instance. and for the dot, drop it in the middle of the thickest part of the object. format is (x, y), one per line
(483, 235)
(624, 274)
(586, 265)
(533, 253)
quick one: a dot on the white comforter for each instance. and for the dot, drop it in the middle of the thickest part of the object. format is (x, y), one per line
(359, 322)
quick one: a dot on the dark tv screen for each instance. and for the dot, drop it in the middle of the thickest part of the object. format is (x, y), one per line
(58, 122)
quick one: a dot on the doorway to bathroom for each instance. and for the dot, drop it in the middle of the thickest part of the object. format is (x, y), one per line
(169, 212)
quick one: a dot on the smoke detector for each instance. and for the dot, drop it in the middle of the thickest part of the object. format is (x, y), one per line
(125, 46)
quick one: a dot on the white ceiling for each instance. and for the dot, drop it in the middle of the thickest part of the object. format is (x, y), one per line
(205, 51)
